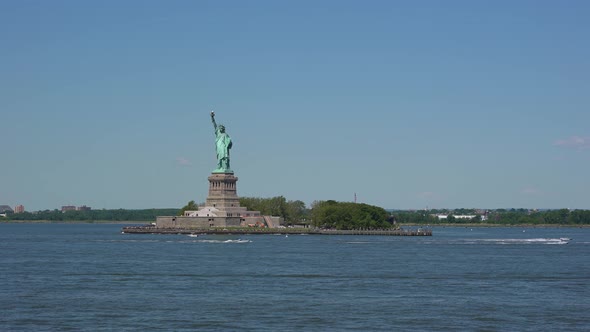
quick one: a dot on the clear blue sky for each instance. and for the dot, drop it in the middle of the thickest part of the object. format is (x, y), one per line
(407, 103)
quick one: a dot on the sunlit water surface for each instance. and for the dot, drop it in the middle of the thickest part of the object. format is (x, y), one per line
(88, 277)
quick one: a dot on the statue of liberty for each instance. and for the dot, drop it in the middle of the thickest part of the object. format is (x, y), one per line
(223, 144)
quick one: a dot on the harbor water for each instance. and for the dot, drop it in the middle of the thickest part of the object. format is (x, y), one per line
(90, 277)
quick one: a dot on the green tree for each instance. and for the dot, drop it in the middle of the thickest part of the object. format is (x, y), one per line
(190, 206)
(296, 211)
(346, 215)
(290, 211)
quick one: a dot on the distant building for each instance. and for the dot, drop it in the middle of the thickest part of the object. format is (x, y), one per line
(457, 216)
(461, 216)
(19, 209)
(68, 208)
(83, 208)
(6, 209)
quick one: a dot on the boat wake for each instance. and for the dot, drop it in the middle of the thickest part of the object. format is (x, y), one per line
(522, 241)
(224, 241)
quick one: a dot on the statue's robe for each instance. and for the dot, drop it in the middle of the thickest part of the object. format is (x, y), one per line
(222, 143)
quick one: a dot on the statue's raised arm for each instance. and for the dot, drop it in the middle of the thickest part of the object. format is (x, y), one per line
(213, 120)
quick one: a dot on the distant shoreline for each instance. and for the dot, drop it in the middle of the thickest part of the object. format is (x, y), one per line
(115, 222)
(497, 225)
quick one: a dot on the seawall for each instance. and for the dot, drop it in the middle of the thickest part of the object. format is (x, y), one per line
(285, 231)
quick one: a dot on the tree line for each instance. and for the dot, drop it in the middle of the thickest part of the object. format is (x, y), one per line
(292, 212)
(551, 217)
(329, 214)
(94, 215)
(499, 216)
(348, 215)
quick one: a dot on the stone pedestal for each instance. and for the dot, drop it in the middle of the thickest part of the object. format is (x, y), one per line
(222, 209)
(223, 191)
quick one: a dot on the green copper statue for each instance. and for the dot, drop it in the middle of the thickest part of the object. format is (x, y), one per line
(222, 145)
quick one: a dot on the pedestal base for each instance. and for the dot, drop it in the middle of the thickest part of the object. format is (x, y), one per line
(222, 208)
